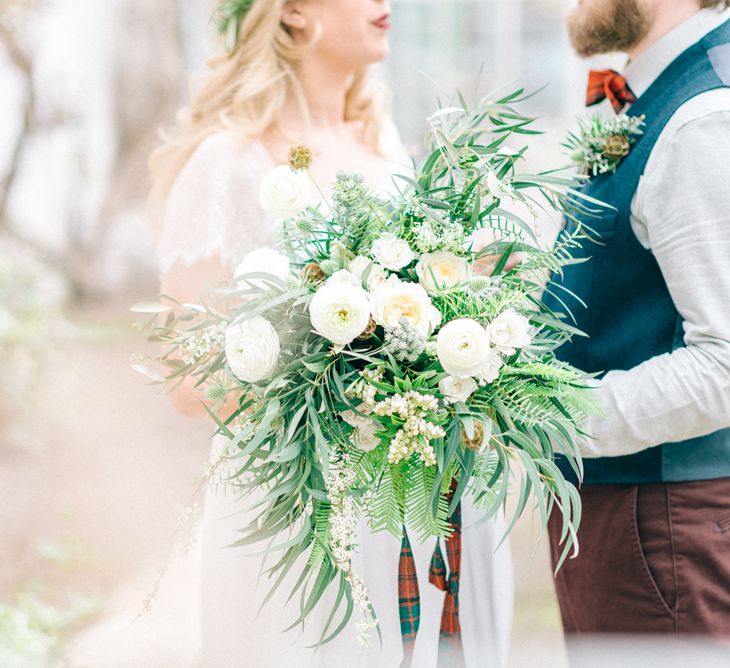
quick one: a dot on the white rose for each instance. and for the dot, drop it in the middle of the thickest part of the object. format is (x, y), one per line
(463, 347)
(262, 261)
(340, 312)
(344, 276)
(457, 389)
(490, 369)
(442, 269)
(364, 437)
(363, 266)
(395, 299)
(252, 349)
(393, 253)
(285, 192)
(509, 331)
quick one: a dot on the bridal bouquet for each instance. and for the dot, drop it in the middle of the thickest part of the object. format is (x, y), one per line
(375, 370)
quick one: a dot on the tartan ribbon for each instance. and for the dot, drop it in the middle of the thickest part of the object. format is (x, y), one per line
(450, 651)
(609, 84)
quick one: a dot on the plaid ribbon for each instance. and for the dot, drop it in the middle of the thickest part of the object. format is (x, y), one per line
(450, 648)
(609, 84)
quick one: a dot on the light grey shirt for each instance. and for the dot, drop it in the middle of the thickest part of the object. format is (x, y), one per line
(681, 213)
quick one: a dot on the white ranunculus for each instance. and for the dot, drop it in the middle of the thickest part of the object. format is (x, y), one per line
(394, 299)
(285, 192)
(364, 437)
(457, 389)
(340, 312)
(490, 369)
(344, 276)
(463, 347)
(363, 266)
(442, 269)
(263, 260)
(252, 349)
(509, 331)
(393, 253)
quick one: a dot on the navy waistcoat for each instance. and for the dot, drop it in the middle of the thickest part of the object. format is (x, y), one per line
(630, 316)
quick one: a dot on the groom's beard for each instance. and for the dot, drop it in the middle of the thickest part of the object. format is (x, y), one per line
(602, 26)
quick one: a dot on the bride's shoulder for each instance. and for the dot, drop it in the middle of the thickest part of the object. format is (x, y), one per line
(223, 148)
(222, 162)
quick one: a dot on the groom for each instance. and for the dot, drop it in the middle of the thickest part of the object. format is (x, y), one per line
(655, 534)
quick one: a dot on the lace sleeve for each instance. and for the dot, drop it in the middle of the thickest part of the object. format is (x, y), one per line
(212, 209)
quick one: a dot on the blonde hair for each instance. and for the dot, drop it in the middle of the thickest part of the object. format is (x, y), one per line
(245, 90)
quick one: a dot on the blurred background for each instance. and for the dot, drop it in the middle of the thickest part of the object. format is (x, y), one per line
(97, 471)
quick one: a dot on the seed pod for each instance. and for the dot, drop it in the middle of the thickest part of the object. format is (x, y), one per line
(313, 273)
(616, 147)
(369, 330)
(474, 443)
(300, 157)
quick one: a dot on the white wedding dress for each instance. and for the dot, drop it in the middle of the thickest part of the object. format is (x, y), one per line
(213, 210)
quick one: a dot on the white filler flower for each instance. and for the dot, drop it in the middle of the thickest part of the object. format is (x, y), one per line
(463, 348)
(393, 253)
(396, 299)
(340, 312)
(509, 331)
(285, 192)
(252, 349)
(457, 389)
(442, 269)
(262, 261)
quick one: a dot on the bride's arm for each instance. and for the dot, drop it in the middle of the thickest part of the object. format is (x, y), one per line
(207, 224)
(183, 283)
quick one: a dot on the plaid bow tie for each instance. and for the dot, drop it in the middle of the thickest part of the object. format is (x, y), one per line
(609, 84)
(450, 648)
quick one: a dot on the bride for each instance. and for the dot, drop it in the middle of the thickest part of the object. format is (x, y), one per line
(297, 72)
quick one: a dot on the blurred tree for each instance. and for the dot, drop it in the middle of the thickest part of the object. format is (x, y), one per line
(91, 106)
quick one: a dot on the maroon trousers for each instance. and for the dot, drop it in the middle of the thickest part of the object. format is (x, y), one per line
(653, 559)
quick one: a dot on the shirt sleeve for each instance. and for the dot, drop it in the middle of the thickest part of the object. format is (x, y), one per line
(682, 209)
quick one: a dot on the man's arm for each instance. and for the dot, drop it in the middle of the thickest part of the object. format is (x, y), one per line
(684, 205)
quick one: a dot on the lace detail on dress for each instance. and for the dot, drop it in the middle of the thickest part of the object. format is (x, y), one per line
(213, 206)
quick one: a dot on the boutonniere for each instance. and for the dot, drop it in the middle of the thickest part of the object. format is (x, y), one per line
(601, 144)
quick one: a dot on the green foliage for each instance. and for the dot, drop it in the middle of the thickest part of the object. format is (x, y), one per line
(288, 429)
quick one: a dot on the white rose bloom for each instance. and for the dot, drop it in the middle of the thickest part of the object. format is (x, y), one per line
(393, 253)
(394, 299)
(490, 369)
(252, 349)
(509, 331)
(364, 437)
(285, 192)
(463, 347)
(262, 261)
(340, 312)
(344, 276)
(376, 274)
(457, 389)
(442, 269)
